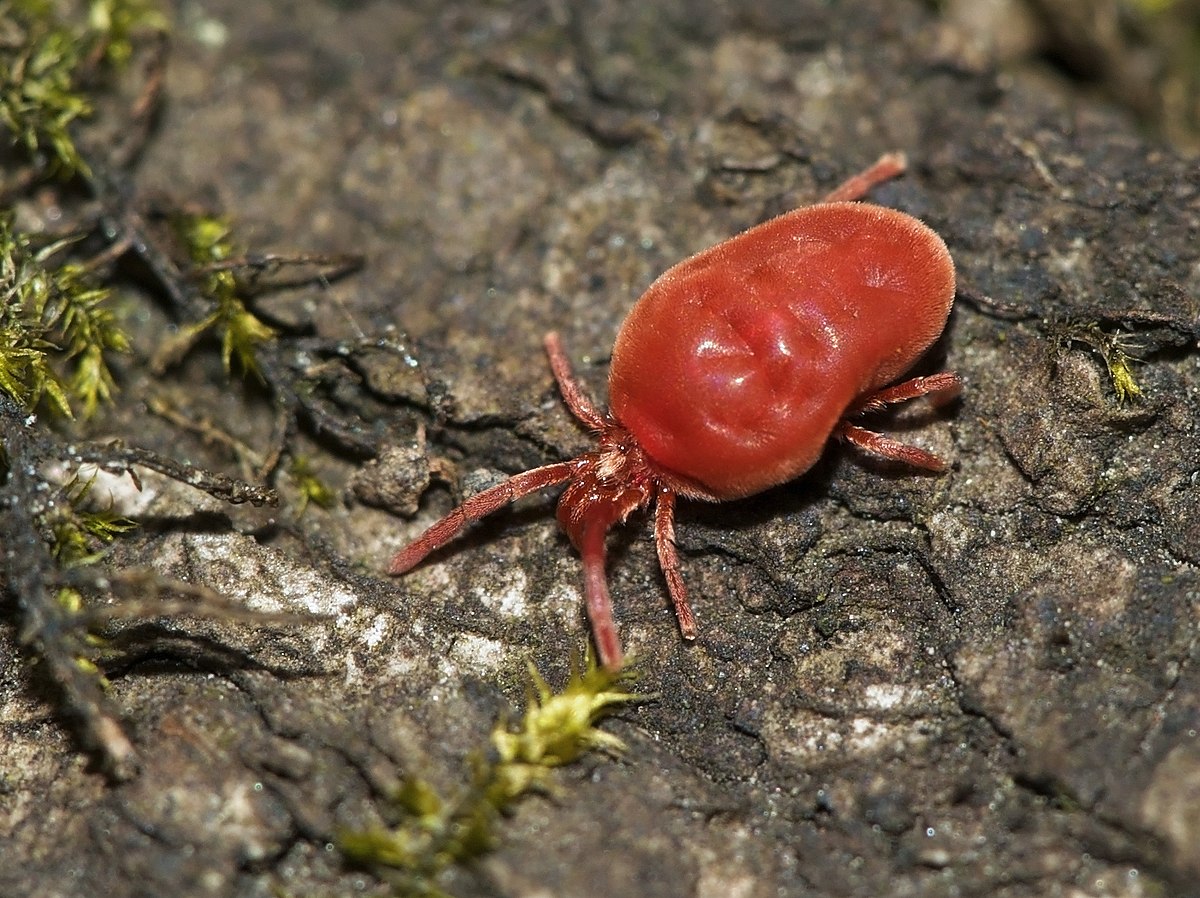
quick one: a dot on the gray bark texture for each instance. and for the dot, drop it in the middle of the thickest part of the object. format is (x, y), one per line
(985, 683)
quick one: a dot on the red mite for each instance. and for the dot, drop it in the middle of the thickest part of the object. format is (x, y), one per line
(733, 371)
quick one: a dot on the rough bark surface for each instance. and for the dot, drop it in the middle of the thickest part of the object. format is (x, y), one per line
(981, 684)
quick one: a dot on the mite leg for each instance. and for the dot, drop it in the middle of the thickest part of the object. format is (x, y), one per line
(886, 447)
(668, 560)
(572, 393)
(889, 166)
(944, 385)
(478, 506)
(596, 597)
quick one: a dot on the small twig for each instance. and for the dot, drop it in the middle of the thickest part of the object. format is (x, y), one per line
(127, 225)
(575, 102)
(1029, 150)
(332, 266)
(281, 433)
(994, 308)
(30, 575)
(298, 397)
(118, 459)
(248, 459)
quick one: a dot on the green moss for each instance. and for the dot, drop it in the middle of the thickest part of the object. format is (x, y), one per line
(116, 22)
(39, 97)
(1113, 349)
(46, 69)
(209, 244)
(79, 532)
(1121, 374)
(312, 488)
(53, 315)
(1153, 7)
(557, 728)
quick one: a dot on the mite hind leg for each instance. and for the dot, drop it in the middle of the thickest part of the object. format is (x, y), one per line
(888, 166)
(941, 387)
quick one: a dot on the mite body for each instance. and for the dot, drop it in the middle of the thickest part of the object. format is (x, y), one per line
(732, 372)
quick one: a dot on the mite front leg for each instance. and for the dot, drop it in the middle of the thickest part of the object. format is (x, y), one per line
(478, 506)
(596, 597)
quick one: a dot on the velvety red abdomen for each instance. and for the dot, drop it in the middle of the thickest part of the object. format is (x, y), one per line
(736, 364)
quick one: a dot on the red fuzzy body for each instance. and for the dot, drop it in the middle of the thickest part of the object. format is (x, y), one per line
(736, 365)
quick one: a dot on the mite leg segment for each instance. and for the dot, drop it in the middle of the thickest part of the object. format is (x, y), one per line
(668, 560)
(886, 447)
(887, 167)
(596, 597)
(478, 506)
(944, 385)
(572, 393)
